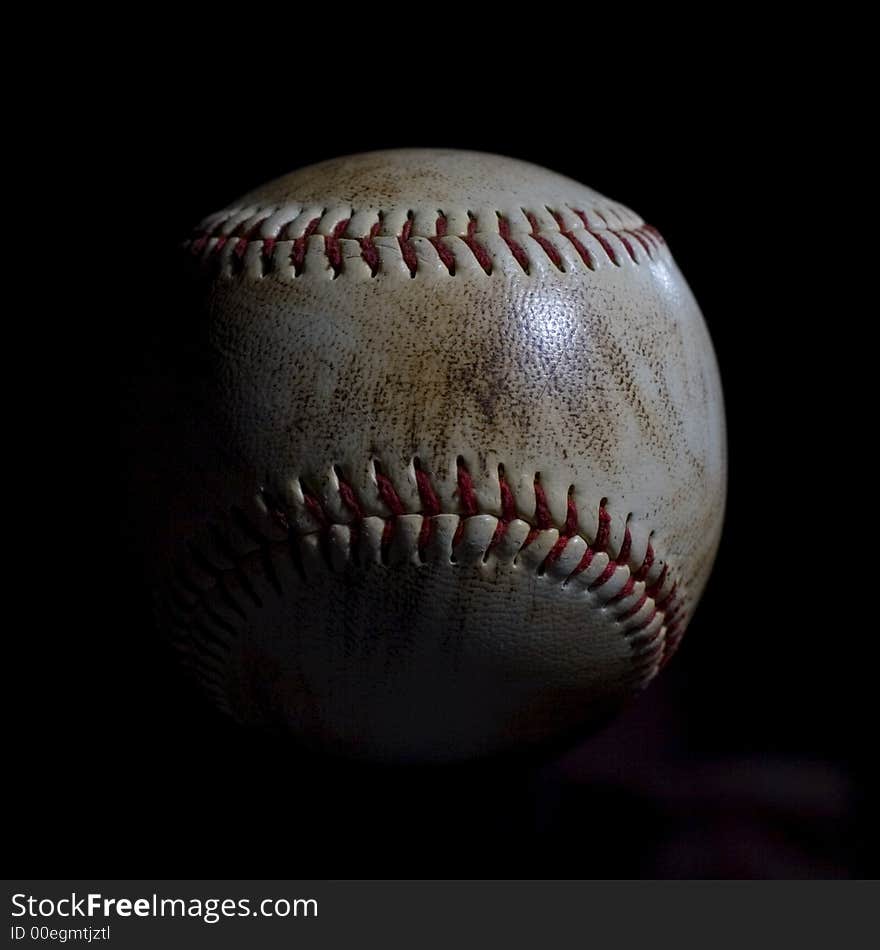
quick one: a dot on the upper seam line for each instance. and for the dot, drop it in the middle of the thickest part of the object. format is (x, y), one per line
(267, 242)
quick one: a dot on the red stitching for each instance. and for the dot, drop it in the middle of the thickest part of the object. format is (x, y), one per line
(650, 619)
(410, 257)
(624, 591)
(674, 632)
(608, 248)
(276, 511)
(584, 563)
(508, 502)
(655, 587)
(604, 531)
(647, 563)
(668, 598)
(516, 249)
(653, 232)
(670, 605)
(244, 238)
(597, 547)
(266, 254)
(298, 251)
(645, 244)
(388, 494)
(430, 507)
(201, 238)
(332, 248)
(352, 502)
(441, 247)
(625, 548)
(369, 251)
(429, 499)
(508, 512)
(584, 252)
(468, 499)
(245, 233)
(543, 518)
(314, 507)
(651, 651)
(466, 494)
(477, 249)
(569, 529)
(626, 244)
(605, 576)
(545, 245)
(542, 509)
(636, 607)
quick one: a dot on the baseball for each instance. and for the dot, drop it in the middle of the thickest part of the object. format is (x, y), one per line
(454, 476)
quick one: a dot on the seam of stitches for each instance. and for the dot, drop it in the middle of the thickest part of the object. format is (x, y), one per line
(261, 242)
(645, 601)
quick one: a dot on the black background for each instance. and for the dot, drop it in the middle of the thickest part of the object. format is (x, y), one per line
(750, 757)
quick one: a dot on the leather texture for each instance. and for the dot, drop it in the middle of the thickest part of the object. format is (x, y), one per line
(456, 468)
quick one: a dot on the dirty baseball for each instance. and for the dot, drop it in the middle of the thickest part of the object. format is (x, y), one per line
(453, 475)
